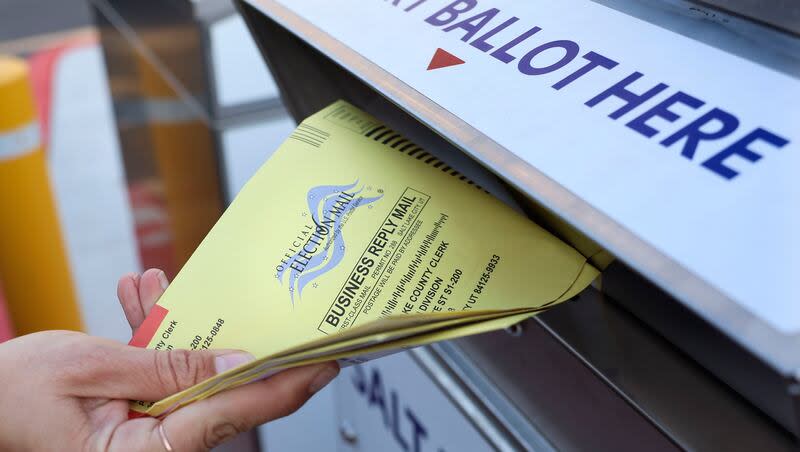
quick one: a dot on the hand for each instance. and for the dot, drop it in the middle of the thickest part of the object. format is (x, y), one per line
(68, 391)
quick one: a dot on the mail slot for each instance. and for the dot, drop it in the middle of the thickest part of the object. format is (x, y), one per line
(658, 354)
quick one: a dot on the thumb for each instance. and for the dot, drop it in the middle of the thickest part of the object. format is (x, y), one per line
(125, 372)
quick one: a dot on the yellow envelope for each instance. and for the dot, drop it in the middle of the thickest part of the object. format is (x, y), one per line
(347, 224)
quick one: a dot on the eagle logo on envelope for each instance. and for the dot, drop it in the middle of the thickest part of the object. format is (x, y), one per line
(320, 246)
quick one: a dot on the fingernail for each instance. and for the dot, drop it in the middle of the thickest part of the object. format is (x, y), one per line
(322, 379)
(135, 277)
(227, 362)
(162, 278)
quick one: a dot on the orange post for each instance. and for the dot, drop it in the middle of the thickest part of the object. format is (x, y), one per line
(33, 262)
(185, 157)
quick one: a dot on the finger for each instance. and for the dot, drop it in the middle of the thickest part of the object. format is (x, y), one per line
(152, 285)
(128, 295)
(206, 424)
(115, 371)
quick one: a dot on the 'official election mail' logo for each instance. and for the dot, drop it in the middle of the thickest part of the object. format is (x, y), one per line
(320, 246)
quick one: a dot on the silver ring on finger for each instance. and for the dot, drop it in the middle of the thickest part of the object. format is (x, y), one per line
(164, 440)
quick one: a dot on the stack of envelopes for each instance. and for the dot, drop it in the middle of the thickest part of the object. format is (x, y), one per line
(351, 243)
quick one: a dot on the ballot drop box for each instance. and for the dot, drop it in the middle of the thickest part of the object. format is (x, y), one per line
(661, 138)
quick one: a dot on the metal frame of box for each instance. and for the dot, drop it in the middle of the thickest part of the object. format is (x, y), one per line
(744, 337)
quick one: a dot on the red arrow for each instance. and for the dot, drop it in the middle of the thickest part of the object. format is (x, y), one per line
(443, 58)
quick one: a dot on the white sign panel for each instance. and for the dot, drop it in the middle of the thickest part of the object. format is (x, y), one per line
(692, 149)
(391, 405)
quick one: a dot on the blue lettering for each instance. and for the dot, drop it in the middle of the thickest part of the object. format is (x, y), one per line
(411, 7)
(571, 50)
(662, 111)
(472, 28)
(396, 422)
(377, 396)
(418, 430)
(694, 135)
(632, 99)
(360, 380)
(482, 44)
(713, 125)
(740, 148)
(595, 60)
(450, 12)
(502, 53)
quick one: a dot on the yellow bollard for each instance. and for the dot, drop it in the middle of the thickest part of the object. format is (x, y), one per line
(33, 263)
